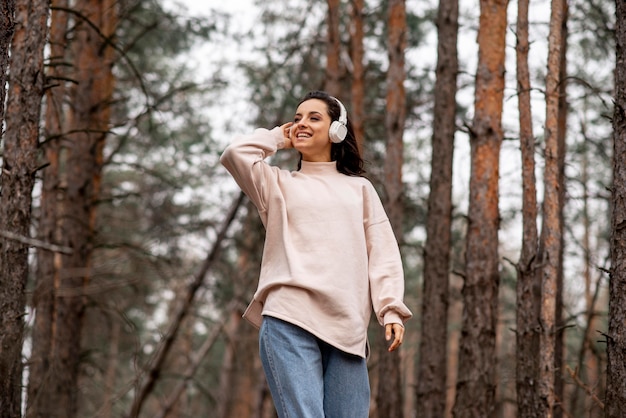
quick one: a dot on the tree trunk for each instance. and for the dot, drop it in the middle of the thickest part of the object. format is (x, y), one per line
(432, 370)
(358, 72)
(587, 359)
(550, 239)
(389, 393)
(587, 363)
(559, 345)
(333, 69)
(241, 366)
(112, 365)
(19, 166)
(154, 366)
(178, 360)
(528, 290)
(48, 262)
(7, 26)
(476, 382)
(88, 120)
(615, 402)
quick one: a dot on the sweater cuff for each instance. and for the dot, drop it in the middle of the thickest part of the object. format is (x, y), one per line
(277, 134)
(392, 317)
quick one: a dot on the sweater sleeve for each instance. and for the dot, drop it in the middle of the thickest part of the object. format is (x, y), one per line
(386, 275)
(244, 160)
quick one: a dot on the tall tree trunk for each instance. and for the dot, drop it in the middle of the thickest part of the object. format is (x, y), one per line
(10, 292)
(7, 26)
(476, 382)
(47, 273)
(241, 367)
(389, 393)
(112, 365)
(587, 362)
(358, 71)
(432, 370)
(559, 345)
(528, 290)
(615, 402)
(88, 121)
(550, 239)
(180, 359)
(19, 166)
(333, 68)
(154, 366)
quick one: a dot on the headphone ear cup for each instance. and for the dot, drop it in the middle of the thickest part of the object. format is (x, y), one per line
(337, 132)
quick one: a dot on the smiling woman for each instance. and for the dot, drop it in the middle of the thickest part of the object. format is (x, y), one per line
(309, 133)
(330, 255)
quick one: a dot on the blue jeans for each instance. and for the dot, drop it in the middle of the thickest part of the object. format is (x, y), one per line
(309, 378)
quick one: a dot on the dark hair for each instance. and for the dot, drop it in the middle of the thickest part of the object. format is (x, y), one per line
(346, 152)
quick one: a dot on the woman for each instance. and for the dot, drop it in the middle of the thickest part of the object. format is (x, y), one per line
(330, 255)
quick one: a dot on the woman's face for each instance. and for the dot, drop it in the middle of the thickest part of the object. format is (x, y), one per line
(309, 133)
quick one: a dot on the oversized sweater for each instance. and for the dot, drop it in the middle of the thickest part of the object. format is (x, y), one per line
(330, 255)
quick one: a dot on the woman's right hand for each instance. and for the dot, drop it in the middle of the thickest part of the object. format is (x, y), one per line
(286, 129)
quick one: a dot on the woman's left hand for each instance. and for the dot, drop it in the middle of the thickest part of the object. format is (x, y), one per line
(397, 332)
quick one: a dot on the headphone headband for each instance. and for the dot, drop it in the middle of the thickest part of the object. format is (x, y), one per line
(343, 115)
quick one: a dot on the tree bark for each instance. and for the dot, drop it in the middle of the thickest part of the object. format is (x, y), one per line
(527, 289)
(88, 121)
(395, 114)
(389, 393)
(432, 370)
(48, 262)
(615, 402)
(358, 72)
(19, 166)
(476, 382)
(550, 239)
(333, 68)
(559, 346)
(7, 26)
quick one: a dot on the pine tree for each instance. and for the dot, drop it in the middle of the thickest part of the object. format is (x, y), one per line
(527, 305)
(432, 372)
(19, 167)
(389, 396)
(616, 335)
(476, 381)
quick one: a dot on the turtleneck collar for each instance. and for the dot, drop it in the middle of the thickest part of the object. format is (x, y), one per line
(308, 167)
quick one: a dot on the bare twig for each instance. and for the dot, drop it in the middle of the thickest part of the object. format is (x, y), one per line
(586, 388)
(32, 242)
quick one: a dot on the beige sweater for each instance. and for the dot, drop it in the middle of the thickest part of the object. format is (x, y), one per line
(330, 254)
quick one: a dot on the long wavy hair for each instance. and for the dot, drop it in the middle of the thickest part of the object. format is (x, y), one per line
(346, 152)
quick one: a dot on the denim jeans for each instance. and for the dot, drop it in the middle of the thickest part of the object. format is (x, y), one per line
(309, 378)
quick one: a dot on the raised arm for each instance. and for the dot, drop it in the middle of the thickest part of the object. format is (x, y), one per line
(245, 158)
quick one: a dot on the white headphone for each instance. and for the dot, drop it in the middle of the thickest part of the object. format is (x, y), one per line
(339, 129)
